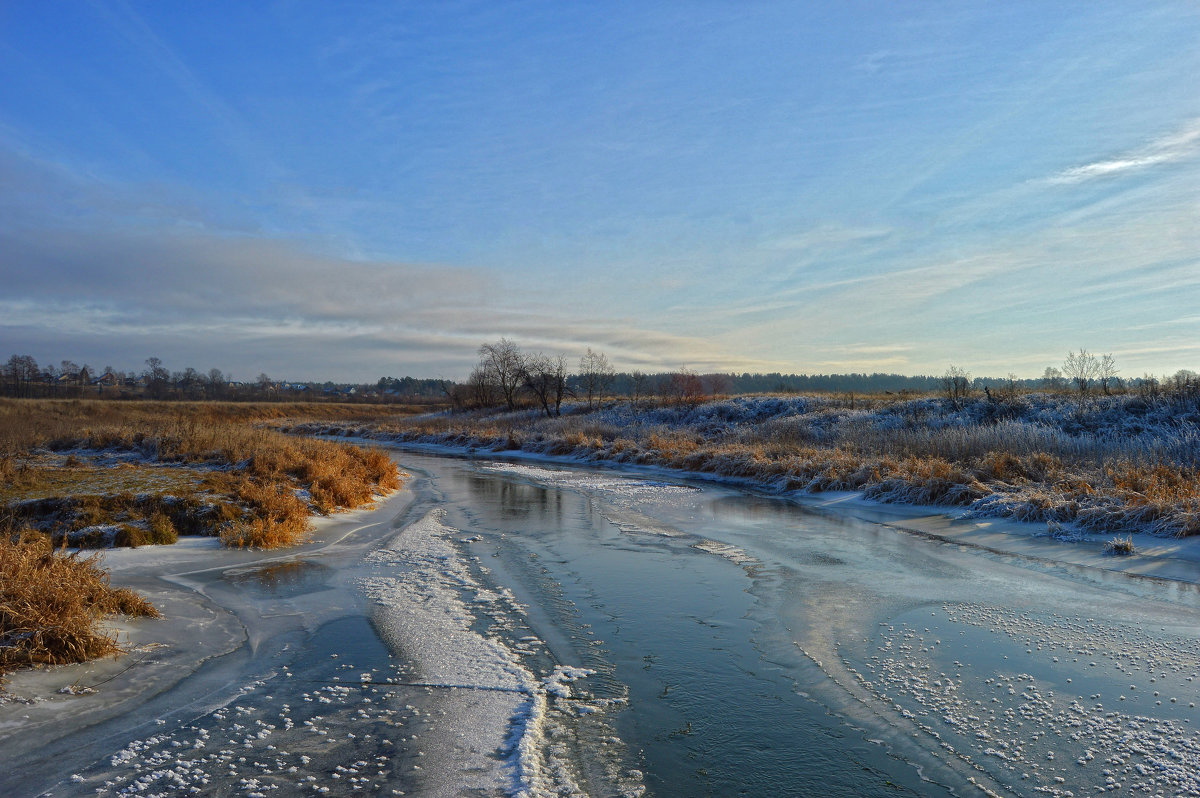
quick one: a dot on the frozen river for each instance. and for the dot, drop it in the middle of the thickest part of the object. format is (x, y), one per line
(528, 629)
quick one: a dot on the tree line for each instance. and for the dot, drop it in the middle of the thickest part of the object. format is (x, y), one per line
(508, 376)
(21, 376)
(1082, 373)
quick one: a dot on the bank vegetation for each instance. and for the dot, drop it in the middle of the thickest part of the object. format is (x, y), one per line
(1077, 461)
(78, 474)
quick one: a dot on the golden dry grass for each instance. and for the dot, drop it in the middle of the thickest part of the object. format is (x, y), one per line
(201, 468)
(1031, 473)
(52, 605)
(179, 468)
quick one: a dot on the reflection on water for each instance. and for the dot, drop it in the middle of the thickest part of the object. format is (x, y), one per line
(972, 669)
(514, 498)
(283, 579)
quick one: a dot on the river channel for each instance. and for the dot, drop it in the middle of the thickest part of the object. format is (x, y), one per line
(526, 628)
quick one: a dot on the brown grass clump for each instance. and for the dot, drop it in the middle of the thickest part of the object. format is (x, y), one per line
(52, 605)
(278, 517)
(1159, 483)
(203, 468)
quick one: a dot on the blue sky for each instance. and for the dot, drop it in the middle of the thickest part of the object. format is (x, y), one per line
(350, 190)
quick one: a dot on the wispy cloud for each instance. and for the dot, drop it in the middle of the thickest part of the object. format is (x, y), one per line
(826, 237)
(1168, 149)
(875, 349)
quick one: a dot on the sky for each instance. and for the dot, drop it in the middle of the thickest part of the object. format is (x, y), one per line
(350, 190)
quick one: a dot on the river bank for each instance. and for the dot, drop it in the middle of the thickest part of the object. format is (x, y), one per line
(515, 626)
(1154, 556)
(237, 626)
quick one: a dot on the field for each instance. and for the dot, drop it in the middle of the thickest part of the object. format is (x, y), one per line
(95, 474)
(1079, 465)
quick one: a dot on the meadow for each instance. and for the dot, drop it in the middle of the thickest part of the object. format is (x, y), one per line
(92, 474)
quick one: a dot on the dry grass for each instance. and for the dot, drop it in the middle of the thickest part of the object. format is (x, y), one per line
(97, 473)
(892, 449)
(200, 468)
(52, 605)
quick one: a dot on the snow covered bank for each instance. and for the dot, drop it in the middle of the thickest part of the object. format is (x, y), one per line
(1156, 556)
(499, 717)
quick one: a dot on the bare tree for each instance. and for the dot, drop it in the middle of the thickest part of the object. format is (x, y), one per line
(639, 386)
(216, 384)
(481, 389)
(682, 387)
(21, 371)
(1081, 368)
(190, 382)
(1184, 382)
(956, 384)
(546, 379)
(1106, 371)
(595, 375)
(504, 364)
(158, 379)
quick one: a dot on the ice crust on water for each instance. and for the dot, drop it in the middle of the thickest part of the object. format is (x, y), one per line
(1033, 735)
(734, 554)
(612, 485)
(622, 495)
(429, 604)
(261, 745)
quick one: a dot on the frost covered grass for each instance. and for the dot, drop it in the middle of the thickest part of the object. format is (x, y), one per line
(1120, 545)
(101, 473)
(52, 605)
(1108, 464)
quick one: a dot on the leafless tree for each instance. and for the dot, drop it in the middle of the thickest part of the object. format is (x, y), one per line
(481, 389)
(1148, 386)
(1082, 368)
(717, 384)
(1009, 387)
(1106, 371)
(21, 371)
(639, 386)
(956, 384)
(158, 379)
(595, 375)
(216, 385)
(546, 378)
(504, 366)
(1184, 383)
(682, 387)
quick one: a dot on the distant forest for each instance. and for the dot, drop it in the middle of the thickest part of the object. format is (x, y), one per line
(22, 376)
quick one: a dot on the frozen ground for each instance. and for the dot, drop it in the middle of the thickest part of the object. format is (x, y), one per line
(374, 660)
(521, 628)
(243, 686)
(999, 665)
